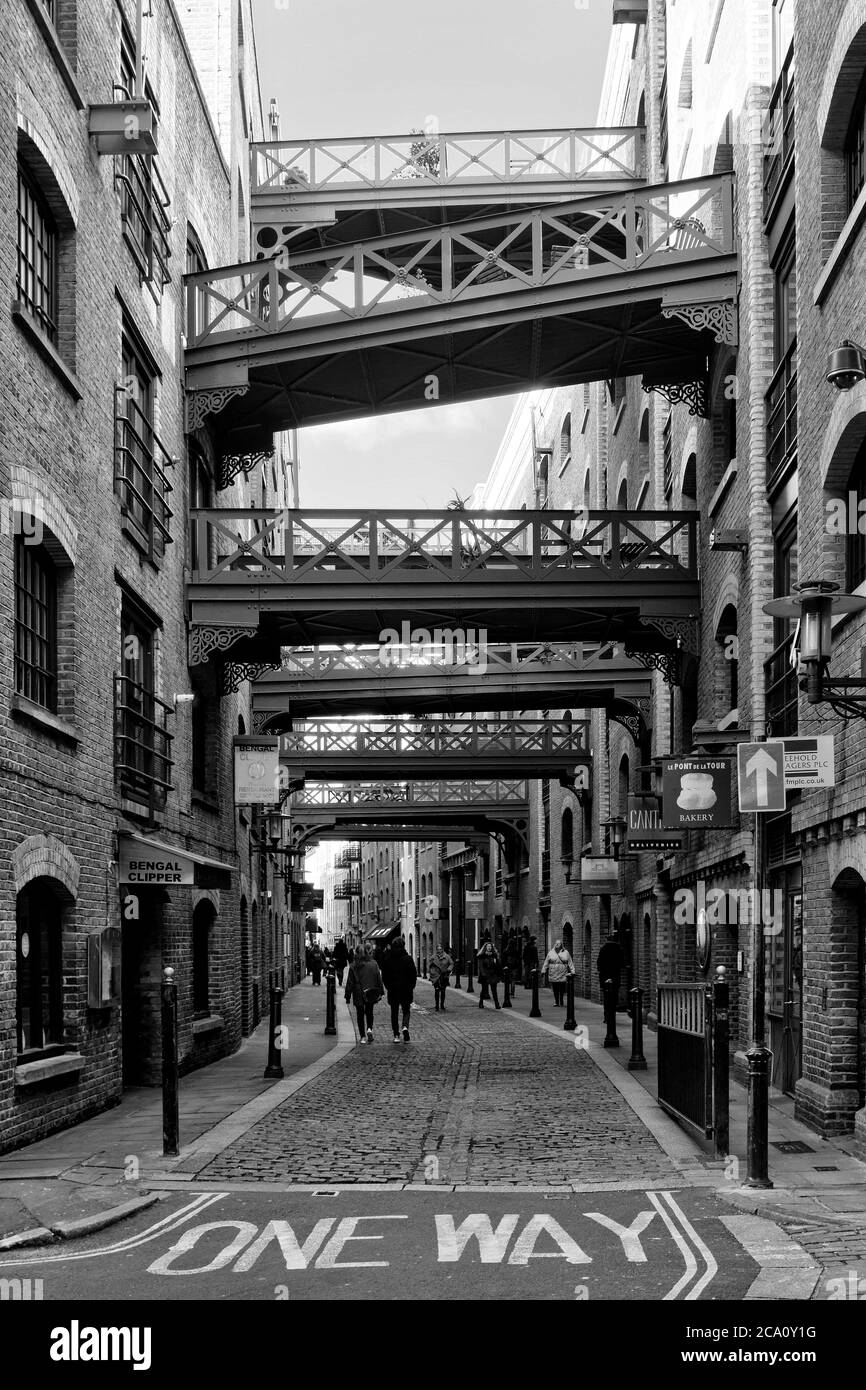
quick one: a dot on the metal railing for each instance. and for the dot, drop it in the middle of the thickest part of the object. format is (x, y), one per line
(779, 129)
(318, 663)
(300, 547)
(144, 204)
(781, 408)
(142, 743)
(348, 888)
(140, 463)
(472, 738)
(509, 157)
(685, 1075)
(443, 792)
(597, 237)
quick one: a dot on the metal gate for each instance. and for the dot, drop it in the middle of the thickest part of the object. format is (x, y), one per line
(685, 1055)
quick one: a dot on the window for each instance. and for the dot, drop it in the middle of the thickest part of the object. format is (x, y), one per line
(35, 624)
(567, 834)
(783, 32)
(39, 970)
(200, 498)
(142, 741)
(856, 548)
(195, 264)
(141, 459)
(781, 398)
(728, 650)
(668, 458)
(565, 442)
(780, 675)
(663, 123)
(855, 149)
(202, 921)
(785, 298)
(144, 200)
(37, 256)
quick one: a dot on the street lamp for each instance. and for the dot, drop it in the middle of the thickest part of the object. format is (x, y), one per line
(847, 365)
(616, 828)
(815, 603)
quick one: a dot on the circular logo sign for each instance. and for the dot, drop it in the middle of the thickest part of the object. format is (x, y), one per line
(25, 944)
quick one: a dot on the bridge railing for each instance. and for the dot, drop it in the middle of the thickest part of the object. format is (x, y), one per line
(593, 238)
(449, 791)
(476, 738)
(511, 157)
(294, 547)
(313, 664)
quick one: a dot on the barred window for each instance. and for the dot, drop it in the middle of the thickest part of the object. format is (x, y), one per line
(39, 971)
(37, 255)
(35, 624)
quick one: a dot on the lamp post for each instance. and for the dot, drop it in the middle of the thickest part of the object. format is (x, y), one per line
(815, 603)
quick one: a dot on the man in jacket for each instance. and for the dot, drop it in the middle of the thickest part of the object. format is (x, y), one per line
(341, 958)
(609, 965)
(400, 976)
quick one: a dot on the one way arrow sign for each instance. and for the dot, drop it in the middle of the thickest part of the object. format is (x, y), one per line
(761, 776)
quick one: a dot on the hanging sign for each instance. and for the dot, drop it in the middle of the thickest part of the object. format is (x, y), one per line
(809, 763)
(696, 793)
(599, 874)
(475, 898)
(257, 771)
(137, 864)
(645, 827)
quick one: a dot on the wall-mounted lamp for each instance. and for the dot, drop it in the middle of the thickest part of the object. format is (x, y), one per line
(814, 604)
(616, 828)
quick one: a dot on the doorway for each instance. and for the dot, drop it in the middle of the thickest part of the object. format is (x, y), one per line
(784, 981)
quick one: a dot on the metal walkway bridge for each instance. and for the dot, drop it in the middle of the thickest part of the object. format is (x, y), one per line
(302, 578)
(607, 285)
(335, 749)
(457, 676)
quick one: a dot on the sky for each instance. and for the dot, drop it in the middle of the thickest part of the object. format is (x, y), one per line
(380, 67)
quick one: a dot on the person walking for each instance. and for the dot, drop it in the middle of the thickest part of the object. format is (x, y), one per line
(488, 970)
(557, 967)
(530, 960)
(438, 973)
(341, 959)
(399, 976)
(316, 964)
(609, 965)
(364, 989)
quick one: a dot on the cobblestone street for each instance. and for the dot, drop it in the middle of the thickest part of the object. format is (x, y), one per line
(475, 1097)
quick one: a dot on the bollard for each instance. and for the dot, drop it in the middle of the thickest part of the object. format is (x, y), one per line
(506, 987)
(610, 1037)
(535, 1011)
(469, 986)
(569, 1025)
(637, 1061)
(170, 1097)
(330, 1003)
(274, 1070)
(721, 1121)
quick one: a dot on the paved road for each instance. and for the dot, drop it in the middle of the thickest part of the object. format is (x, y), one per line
(394, 1245)
(477, 1096)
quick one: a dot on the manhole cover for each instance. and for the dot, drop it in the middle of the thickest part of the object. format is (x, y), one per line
(792, 1146)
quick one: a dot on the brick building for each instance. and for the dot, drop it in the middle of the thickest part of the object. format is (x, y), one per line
(115, 751)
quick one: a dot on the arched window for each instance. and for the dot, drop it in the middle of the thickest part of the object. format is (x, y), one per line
(566, 839)
(855, 148)
(202, 921)
(623, 786)
(622, 496)
(39, 969)
(35, 624)
(690, 481)
(728, 658)
(565, 442)
(410, 890)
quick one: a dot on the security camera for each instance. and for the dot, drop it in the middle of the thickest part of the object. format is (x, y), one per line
(847, 365)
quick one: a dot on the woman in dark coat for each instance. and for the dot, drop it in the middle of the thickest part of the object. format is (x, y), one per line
(400, 976)
(364, 989)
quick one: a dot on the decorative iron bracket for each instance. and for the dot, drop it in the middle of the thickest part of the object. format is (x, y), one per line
(234, 673)
(719, 315)
(632, 720)
(204, 640)
(668, 663)
(209, 402)
(694, 394)
(230, 465)
(683, 631)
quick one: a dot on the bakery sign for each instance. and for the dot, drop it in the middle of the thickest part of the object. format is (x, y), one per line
(696, 793)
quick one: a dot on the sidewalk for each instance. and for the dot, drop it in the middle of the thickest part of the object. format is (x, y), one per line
(823, 1186)
(86, 1177)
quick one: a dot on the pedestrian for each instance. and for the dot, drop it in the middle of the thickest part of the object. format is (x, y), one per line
(488, 970)
(513, 957)
(557, 967)
(316, 965)
(609, 966)
(364, 989)
(399, 976)
(440, 969)
(341, 959)
(530, 960)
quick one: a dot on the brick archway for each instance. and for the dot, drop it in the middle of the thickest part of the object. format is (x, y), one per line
(44, 856)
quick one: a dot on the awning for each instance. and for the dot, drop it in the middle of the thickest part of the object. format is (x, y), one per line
(148, 863)
(382, 933)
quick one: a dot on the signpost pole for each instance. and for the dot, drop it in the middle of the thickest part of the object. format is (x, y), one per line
(758, 1055)
(170, 1094)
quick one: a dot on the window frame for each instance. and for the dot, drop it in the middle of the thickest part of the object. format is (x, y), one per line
(46, 241)
(49, 941)
(44, 678)
(854, 149)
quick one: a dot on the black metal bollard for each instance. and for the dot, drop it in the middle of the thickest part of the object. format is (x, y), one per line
(170, 1089)
(569, 1025)
(506, 987)
(610, 1037)
(330, 1003)
(469, 986)
(274, 1070)
(721, 1080)
(637, 1061)
(535, 1011)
